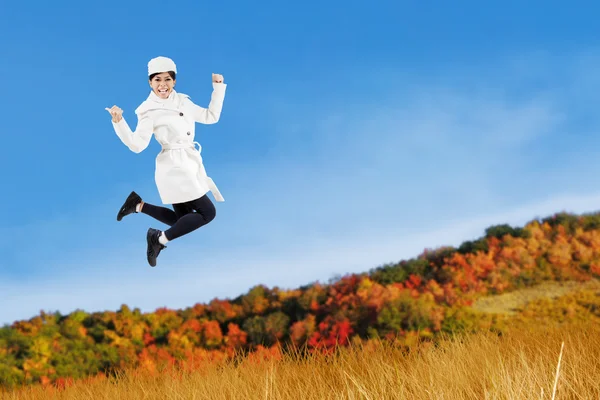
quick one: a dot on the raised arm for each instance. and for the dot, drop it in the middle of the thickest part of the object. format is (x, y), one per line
(211, 114)
(138, 140)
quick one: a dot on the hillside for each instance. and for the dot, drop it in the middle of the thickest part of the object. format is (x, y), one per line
(440, 291)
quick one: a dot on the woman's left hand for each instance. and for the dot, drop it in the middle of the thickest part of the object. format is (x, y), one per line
(217, 78)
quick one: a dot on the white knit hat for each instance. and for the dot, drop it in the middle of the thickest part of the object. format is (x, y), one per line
(161, 64)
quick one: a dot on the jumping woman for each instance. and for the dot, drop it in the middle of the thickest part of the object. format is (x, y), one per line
(180, 175)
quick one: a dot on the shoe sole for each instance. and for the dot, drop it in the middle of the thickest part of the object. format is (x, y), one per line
(149, 235)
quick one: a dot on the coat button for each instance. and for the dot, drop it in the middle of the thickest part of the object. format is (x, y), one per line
(181, 114)
(189, 134)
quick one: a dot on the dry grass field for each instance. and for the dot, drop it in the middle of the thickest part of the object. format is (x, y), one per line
(517, 365)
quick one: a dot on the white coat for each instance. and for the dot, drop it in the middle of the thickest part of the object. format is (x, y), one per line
(180, 175)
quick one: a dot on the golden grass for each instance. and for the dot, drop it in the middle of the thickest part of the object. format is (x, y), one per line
(518, 365)
(509, 303)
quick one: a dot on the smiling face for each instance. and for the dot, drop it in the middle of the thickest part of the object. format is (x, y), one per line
(162, 84)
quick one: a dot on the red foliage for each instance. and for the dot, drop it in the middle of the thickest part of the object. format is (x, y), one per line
(212, 333)
(331, 333)
(236, 337)
(148, 339)
(314, 305)
(193, 325)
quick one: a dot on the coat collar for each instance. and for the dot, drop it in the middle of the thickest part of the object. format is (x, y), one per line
(154, 102)
(153, 97)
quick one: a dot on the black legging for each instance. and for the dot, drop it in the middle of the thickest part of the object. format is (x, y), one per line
(183, 219)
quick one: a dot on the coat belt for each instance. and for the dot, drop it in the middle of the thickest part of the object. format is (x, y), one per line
(211, 184)
(173, 146)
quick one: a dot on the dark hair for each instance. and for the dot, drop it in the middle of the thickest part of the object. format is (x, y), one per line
(171, 73)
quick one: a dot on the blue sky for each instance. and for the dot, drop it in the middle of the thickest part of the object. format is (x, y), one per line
(351, 136)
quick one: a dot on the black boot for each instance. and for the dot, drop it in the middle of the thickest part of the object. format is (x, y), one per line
(129, 206)
(154, 246)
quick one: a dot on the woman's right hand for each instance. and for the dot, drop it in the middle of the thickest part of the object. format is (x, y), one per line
(116, 113)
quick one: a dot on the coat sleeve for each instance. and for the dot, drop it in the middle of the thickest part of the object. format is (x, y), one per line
(138, 140)
(211, 114)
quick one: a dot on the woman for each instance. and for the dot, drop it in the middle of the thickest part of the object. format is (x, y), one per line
(180, 175)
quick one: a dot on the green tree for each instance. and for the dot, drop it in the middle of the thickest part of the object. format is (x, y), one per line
(276, 327)
(255, 327)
